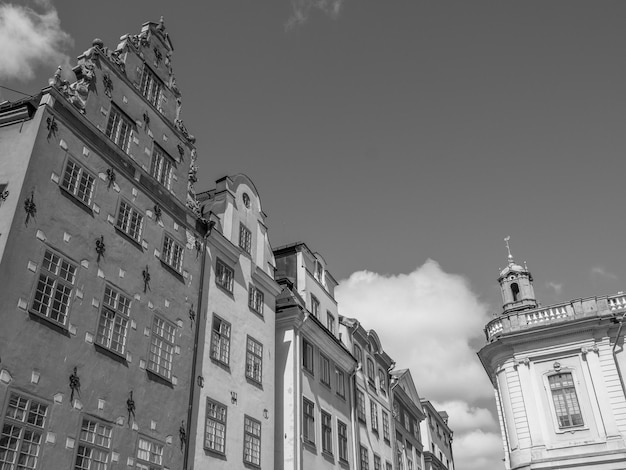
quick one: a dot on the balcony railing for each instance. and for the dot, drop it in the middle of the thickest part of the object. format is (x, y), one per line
(538, 317)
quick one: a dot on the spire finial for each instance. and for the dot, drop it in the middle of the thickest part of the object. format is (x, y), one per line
(508, 248)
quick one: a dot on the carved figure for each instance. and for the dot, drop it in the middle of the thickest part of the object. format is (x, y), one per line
(30, 207)
(130, 407)
(74, 384)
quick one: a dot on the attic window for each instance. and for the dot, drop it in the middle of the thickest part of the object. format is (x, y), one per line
(246, 200)
(515, 291)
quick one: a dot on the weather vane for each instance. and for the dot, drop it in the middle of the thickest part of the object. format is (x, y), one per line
(508, 248)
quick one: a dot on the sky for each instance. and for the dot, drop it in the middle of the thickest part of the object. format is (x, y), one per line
(403, 141)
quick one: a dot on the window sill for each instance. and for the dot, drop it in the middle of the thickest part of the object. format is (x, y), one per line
(76, 201)
(344, 463)
(110, 353)
(309, 445)
(225, 290)
(328, 455)
(215, 453)
(308, 372)
(172, 271)
(326, 385)
(44, 320)
(159, 378)
(254, 382)
(258, 314)
(342, 397)
(220, 363)
(134, 242)
(251, 465)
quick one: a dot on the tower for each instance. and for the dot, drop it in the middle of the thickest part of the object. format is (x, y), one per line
(516, 286)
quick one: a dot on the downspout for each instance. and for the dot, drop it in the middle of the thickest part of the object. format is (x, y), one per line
(194, 360)
(619, 371)
(299, 397)
(353, 420)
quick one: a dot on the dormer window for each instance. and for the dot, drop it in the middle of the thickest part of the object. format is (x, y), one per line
(151, 87)
(119, 128)
(319, 271)
(162, 166)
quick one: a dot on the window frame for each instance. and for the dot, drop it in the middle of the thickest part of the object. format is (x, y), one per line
(553, 405)
(143, 464)
(377, 462)
(113, 128)
(133, 213)
(327, 432)
(315, 306)
(254, 358)
(386, 427)
(256, 299)
(245, 238)
(364, 458)
(254, 438)
(341, 382)
(308, 421)
(169, 252)
(382, 381)
(151, 87)
(160, 160)
(224, 275)
(361, 406)
(308, 356)
(93, 446)
(371, 372)
(358, 353)
(50, 288)
(78, 181)
(218, 420)
(324, 370)
(165, 347)
(220, 340)
(342, 441)
(374, 416)
(330, 322)
(26, 428)
(120, 316)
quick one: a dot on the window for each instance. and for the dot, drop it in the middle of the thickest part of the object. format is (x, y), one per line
(324, 370)
(78, 182)
(330, 322)
(254, 359)
(119, 129)
(149, 455)
(220, 340)
(307, 356)
(130, 221)
(515, 291)
(377, 462)
(245, 238)
(252, 441)
(315, 306)
(113, 323)
(20, 441)
(327, 433)
(386, 434)
(151, 87)
(308, 421)
(371, 377)
(341, 383)
(342, 440)
(215, 427)
(388, 465)
(94, 444)
(360, 405)
(162, 166)
(162, 347)
(364, 458)
(374, 416)
(224, 276)
(358, 354)
(409, 463)
(382, 381)
(565, 400)
(54, 288)
(407, 423)
(255, 299)
(319, 271)
(172, 253)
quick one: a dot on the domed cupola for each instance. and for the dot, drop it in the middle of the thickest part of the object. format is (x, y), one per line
(516, 285)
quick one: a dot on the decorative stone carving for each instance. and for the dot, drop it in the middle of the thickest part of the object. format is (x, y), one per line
(30, 207)
(107, 83)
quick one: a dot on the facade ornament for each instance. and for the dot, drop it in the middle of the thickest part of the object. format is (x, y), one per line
(181, 152)
(146, 119)
(4, 196)
(117, 60)
(77, 92)
(524, 360)
(100, 247)
(174, 86)
(130, 407)
(30, 207)
(110, 177)
(180, 125)
(158, 213)
(182, 434)
(587, 349)
(108, 84)
(200, 381)
(192, 314)
(556, 366)
(51, 125)
(198, 246)
(74, 385)
(158, 56)
(146, 279)
(168, 63)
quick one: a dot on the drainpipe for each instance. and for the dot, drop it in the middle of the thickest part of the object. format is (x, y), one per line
(353, 419)
(619, 371)
(194, 360)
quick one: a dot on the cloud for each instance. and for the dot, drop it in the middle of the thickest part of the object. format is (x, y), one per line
(302, 9)
(427, 321)
(556, 287)
(30, 39)
(599, 271)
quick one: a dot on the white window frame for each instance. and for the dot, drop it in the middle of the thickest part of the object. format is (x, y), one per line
(215, 426)
(113, 321)
(252, 441)
(151, 87)
(162, 166)
(220, 340)
(120, 128)
(308, 420)
(162, 345)
(254, 360)
(327, 432)
(324, 370)
(129, 220)
(95, 444)
(172, 253)
(255, 299)
(79, 182)
(224, 275)
(150, 456)
(245, 238)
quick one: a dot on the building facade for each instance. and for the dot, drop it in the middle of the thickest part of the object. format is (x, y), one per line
(557, 377)
(98, 273)
(234, 417)
(314, 401)
(437, 439)
(372, 421)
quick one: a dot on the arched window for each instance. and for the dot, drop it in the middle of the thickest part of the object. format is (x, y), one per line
(565, 400)
(515, 291)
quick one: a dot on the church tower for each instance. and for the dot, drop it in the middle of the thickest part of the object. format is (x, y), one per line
(516, 285)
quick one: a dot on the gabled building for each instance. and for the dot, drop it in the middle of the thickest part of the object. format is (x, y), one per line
(234, 417)
(437, 439)
(408, 414)
(557, 375)
(372, 420)
(313, 368)
(99, 278)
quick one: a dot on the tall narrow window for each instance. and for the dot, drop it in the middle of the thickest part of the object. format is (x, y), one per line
(20, 441)
(224, 275)
(364, 458)
(78, 182)
(119, 129)
(162, 348)
(342, 441)
(149, 455)
(307, 356)
(94, 445)
(215, 427)
(130, 221)
(113, 324)
(245, 238)
(319, 271)
(254, 360)
(315, 306)
(325, 370)
(252, 441)
(377, 462)
(374, 416)
(382, 381)
(151, 87)
(515, 291)
(358, 354)
(341, 383)
(565, 400)
(308, 421)
(172, 253)
(360, 405)
(386, 432)
(371, 377)
(220, 340)
(255, 299)
(330, 322)
(54, 288)
(327, 433)
(162, 166)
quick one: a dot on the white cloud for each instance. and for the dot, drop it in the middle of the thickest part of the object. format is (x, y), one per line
(599, 271)
(302, 9)
(30, 39)
(555, 286)
(427, 321)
